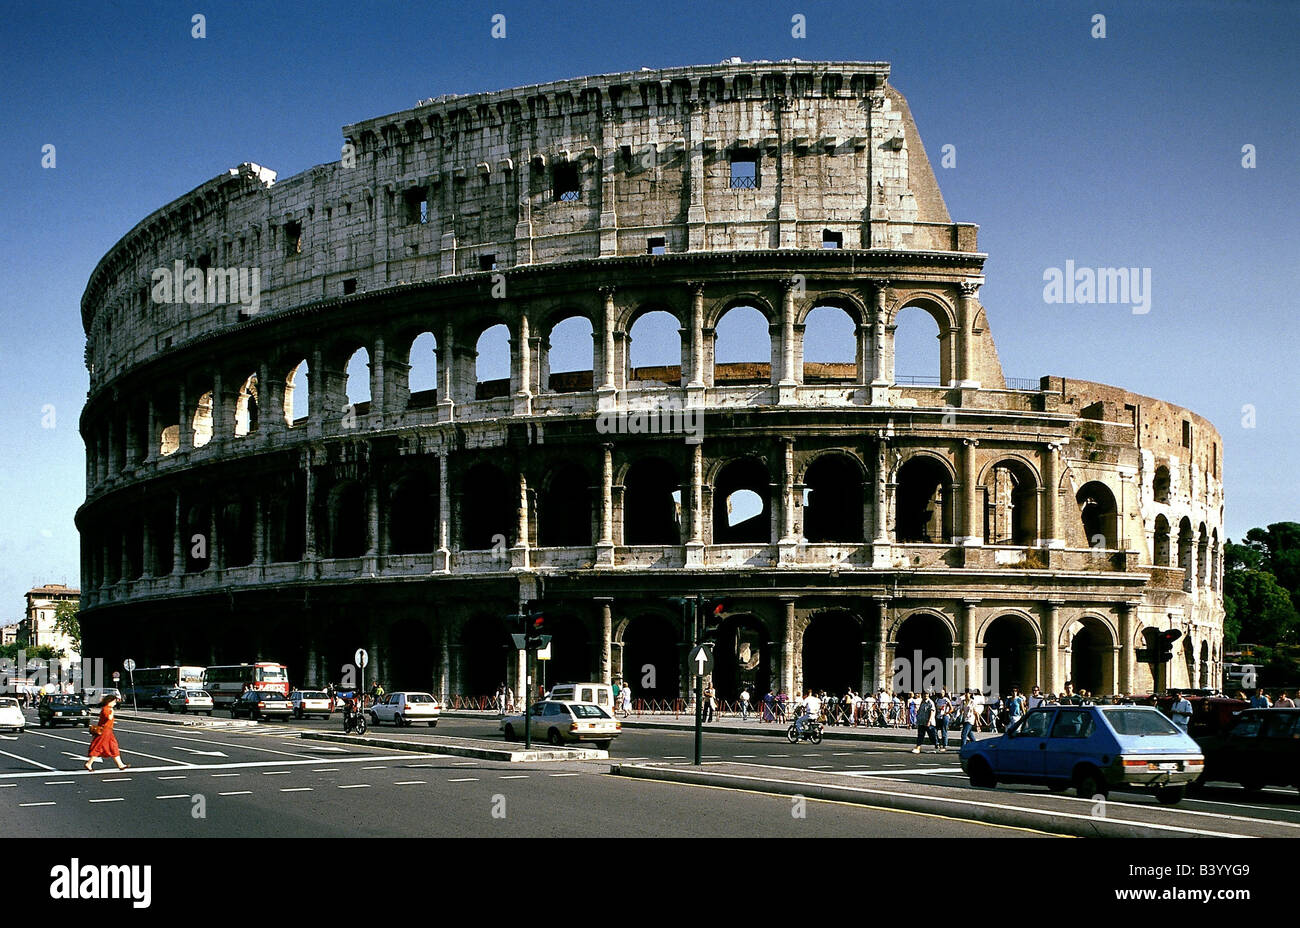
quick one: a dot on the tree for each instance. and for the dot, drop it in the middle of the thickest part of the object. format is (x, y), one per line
(67, 622)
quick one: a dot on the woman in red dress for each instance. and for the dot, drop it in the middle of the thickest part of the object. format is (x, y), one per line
(105, 742)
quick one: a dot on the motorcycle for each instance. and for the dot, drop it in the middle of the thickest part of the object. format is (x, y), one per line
(812, 731)
(353, 720)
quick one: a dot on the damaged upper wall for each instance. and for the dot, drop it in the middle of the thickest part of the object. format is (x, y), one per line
(620, 164)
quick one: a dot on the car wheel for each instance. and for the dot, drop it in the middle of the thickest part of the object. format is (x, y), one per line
(433, 724)
(980, 773)
(554, 737)
(209, 713)
(1252, 786)
(374, 719)
(510, 733)
(397, 720)
(1089, 782)
(233, 714)
(1171, 795)
(603, 745)
(297, 713)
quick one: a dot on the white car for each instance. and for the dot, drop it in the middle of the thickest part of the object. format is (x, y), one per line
(310, 702)
(406, 709)
(560, 722)
(11, 714)
(182, 701)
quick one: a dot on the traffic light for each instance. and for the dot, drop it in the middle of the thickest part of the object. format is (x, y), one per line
(712, 612)
(535, 623)
(1165, 648)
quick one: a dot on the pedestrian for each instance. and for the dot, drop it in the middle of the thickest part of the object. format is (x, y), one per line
(1015, 707)
(781, 700)
(104, 743)
(510, 700)
(708, 704)
(1181, 710)
(913, 702)
(944, 712)
(626, 693)
(1260, 701)
(925, 713)
(744, 704)
(1035, 698)
(969, 718)
(1283, 701)
(616, 691)
(769, 707)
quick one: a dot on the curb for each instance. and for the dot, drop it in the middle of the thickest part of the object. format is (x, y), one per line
(189, 721)
(985, 809)
(459, 750)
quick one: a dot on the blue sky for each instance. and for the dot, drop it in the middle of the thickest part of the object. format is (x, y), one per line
(1122, 151)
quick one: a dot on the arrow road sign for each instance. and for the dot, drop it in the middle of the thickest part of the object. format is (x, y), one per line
(701, 660)
(128, 665)
(362, 658)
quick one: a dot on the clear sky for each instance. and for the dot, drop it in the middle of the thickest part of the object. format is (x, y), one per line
(1123, 151)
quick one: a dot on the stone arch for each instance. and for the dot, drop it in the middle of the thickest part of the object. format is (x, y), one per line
(410, 662)
(742, 656)
(850, 303)
(739, 343)
(413, 513)
(651, 503)
(1010, 641)
(346, 522)
(568, 335)
(247, 407)
(932, 634)
(414, 380)
(201, 421)
(1090, 639)
(494, 347)
(297, 394)
(944, 318)
(1099, 514)
(740, 484)
(1011, 486)
(1160, 484)
(1186, 548)
(572, 657)
(485, 655)
(827, 338)
(656, 329)
(831, 650)
(651, 652)
(356, 377)
(1202, 556)
(1160, 548)
(488, 507)
(834, 511)
(564, 510)
(744, 299)
(923, 499)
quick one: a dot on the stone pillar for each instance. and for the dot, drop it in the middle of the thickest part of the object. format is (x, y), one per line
(270, 402)
(519, 553)
(787, 649)
(884, 679)
(444, 662)
(969, 649)
(259, 532)
(879, 355)
(1127, 656)
(147, 559)
(697, 334)
(695, 543)
(185, 422)
(112, 448)
(372, 515)
(787, 383)
(522, 367)
(969, 494)
(215, 559)
(606, 639)
(605, 546)
(446, 374)
(378, 382)
(968, 307)
(178, 540)
(1051, 680)
(309, 508)
(151, 441)
(882, 536)
(608, 354)
(221, 429)
(443, 560)
(1052, 496)
(789, 539)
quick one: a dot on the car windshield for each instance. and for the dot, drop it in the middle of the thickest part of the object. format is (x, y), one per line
(314, 696)
(418, 697)
(8, 704)
(1140, 722)
(65, 700)
(588, 712)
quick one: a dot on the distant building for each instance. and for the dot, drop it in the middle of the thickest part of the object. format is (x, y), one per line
(8, 634)
(40, 614)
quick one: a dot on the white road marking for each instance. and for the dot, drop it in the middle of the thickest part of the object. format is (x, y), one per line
(924, 770)
(182, 777)
(517, 776)
(408, 782)
(738, 755)
(114, 779)
(23, 805)
(232, 766)
(674, 757)
(242, 792)
(86, 743)
(327, 770)
(6, 785)
(174, 796)
(356, 786)
(28, 761)
(820, 766)
(275, 773)
(118, 799)
(459, 763)
(464, 780)
(225, 774)
(296, 789)
(57, 782)
(564, 774)
(374, 768)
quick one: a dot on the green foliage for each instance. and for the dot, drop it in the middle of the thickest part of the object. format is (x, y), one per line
(66, 621)
(1261, 595)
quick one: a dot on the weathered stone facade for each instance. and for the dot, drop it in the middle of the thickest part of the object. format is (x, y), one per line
(1041, 525)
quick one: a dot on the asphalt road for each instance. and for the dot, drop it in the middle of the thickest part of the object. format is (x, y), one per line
(266, 781)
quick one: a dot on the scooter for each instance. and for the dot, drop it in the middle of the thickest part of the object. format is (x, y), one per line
(812, 731)
(354, 720)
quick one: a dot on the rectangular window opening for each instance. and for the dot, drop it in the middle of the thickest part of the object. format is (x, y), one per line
(1187, 434)
(487, 262)
(293, 238)
(417, 206)
(832, 239)
(349, 286)
(744, 169)
(656, 245)
(566, 184)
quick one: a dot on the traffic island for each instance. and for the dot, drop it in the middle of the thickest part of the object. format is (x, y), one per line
(1045, 812)
(189, 721)
(463, 747)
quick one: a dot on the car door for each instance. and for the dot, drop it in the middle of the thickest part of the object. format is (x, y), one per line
(1239, 754)
(1071, 740)
(1279, 746)
(538, 721)
(1022, 753)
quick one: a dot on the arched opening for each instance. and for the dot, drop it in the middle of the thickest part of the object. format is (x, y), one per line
(742, 347)
(297, 396)
(1160, 484)
(197, 540)
(571, 658)
(134, 541)
(201, 425)
(741, 505)
(246, 407)
(568, 353)
(1010, 655)
(654, 349)
(357, 379)
(564, 512)
(170, 440)
(237, 542)
(833, 509)
(918, 348)
(740, 658)
(650, 658)
(1099, 514)
(922, 654)
(1160, 543)
(409, 664)
(346, 513)
(832, 653)
(286, 522)
(413, 515)
(1092, 650)
(422, 376)
(1216, 557)
(488, 508)
(1011, 505)
(163, 527)
(830, 346)
(651, 504)
(1207, 679)
(492, 362)
(485, 656)
(1203, 557)
(1186, 545)
(1189, 660)
(923, 502)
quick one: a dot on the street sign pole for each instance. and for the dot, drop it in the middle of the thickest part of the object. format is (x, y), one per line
(129, 666)
(528, 680)
(699, 683)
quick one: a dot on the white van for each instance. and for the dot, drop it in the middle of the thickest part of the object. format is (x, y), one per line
(602, 694)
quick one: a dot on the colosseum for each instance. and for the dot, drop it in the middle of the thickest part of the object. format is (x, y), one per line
(240, 507)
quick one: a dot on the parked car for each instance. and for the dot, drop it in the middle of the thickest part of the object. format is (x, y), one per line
(406, 709)
(262, 704)
(183, 700)
(1262, 749)
(156, 698)
(11, 714)
(60, 709)
(602, 694)
(92, 695)
(310, 702)
(560, 722)
(1092, 748)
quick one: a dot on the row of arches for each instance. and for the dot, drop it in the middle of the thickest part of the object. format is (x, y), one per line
(1198, 551)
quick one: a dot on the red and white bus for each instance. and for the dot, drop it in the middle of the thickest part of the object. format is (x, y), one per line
(227, 682)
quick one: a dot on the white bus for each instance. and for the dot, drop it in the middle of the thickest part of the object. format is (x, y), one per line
(148, 679)
(228, 682)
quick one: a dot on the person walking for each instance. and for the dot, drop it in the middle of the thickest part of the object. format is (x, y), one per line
(744, 705)
(925, 712)
(626, 694)
(1015, 707)
(969, 718)
(104, 743)
(708, 704)
(1181, 710)
(1283, 701)
(1260, 701)
(944, 709)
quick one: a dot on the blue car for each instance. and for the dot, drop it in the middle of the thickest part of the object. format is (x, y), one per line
(1092, 748)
